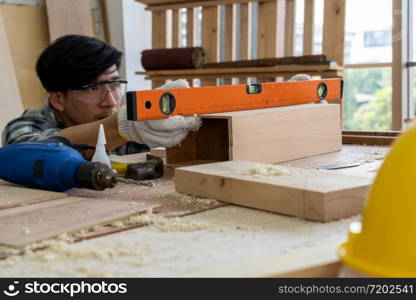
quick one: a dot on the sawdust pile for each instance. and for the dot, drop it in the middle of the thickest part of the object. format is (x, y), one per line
(161, 223)
(64, 246)
(260, 170)
(188, 199)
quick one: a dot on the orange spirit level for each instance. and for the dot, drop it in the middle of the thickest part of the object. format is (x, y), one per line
(158, 104)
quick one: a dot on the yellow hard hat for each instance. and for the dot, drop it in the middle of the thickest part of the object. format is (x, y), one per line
(385, 243)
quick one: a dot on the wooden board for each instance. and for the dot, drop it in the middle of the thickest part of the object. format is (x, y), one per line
(264, 135)
(28, 224)
(69, 17)
(334, 30)
(308, 262)
(27, 32)
(311, 194)
(11, 105)
(11, 196)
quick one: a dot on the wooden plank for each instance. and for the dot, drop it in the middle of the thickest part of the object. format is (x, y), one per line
(290, 23)
(69, 17)
(210, 32)
(210, 38)
(264, 62)
(290, 137)
(9, 90)
(11, 196)
(267, 29)
(106, 22)
(308, 27)
(368, 140)
(245, 31)
(229, 33)
(176, 28)
(243, 75)
(28, 224)
(189, 4)
(283, 68)
(190, 25)
(372, 133)
(399, 70)
(159, 37)
(28, 36)
(306, 193)
(334, 30)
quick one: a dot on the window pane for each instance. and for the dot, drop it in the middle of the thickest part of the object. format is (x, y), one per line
(299, 14)
(367, 99)
(368, 31)
(413, 4)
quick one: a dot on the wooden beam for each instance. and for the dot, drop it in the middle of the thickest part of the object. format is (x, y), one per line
(199, 3)
(267, 29)
(284, 68)
(290, 22)
(210, 37)
(245, 31)
(176, 28)
(190, 25)
(306, 193)
(308, 27)
(400, 104)
(229, 32)
(363, 66)
(104, 16)
(334, 30)
(159, 36)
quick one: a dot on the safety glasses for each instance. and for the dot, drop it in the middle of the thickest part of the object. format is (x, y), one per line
(96, 92)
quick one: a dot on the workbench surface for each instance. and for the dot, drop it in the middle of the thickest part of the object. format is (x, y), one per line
(225, 241)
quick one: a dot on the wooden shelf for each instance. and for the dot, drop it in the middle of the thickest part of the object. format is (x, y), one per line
(323, 70)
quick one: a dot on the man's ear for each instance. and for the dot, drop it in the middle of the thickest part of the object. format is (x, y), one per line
(56, 99)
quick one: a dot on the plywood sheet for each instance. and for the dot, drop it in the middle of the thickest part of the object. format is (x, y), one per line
(11, 196)
(69, 17)
(11, 105)
(306, 193)
(28, 36)
(22, 225)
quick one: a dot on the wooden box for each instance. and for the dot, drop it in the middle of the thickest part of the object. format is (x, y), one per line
(269, 135)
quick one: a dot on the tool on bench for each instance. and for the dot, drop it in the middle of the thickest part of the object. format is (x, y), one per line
(159, 104)
(57, 167)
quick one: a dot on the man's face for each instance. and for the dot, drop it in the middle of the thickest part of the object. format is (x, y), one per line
(92, 104)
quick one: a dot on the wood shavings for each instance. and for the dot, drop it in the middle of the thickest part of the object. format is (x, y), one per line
(266, 171)
(188, 199)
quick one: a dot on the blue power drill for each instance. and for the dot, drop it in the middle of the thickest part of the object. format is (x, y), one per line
(53, 166)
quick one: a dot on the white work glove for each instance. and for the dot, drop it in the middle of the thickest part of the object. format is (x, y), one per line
(158, 133)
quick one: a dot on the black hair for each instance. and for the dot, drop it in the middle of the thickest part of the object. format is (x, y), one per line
(72, 61)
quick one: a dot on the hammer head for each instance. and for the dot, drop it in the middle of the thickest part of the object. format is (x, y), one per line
(152, 168)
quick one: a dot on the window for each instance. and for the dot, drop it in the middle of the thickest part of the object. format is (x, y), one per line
(368, 65)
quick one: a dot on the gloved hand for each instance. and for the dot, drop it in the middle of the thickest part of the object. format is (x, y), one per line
(158, 133)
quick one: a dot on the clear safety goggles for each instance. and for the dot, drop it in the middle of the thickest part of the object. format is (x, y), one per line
(96, 92)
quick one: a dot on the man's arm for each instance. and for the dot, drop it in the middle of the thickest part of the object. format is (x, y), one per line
(87, 133)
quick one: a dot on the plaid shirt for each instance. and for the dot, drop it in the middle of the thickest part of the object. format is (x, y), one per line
(40, 124)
